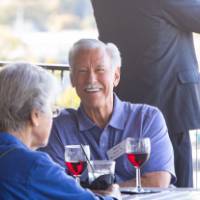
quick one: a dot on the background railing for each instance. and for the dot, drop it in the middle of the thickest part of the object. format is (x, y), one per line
(68, 96)
(59, 69)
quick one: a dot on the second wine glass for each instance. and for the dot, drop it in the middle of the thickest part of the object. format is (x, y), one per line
(75, 160)
(138, 151)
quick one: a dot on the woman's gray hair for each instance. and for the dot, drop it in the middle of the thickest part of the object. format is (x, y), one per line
(110, 48)
(24, 87)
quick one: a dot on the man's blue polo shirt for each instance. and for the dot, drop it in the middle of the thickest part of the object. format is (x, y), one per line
(127, 120)
(32, 175)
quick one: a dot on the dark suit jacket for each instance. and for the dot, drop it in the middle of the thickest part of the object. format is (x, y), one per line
(159, 62)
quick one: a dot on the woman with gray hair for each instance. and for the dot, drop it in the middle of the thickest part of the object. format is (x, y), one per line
(27, 95)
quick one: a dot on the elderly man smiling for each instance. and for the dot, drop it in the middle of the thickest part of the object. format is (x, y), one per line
(103, 120)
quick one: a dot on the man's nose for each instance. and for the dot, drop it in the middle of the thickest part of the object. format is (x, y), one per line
(92, 77)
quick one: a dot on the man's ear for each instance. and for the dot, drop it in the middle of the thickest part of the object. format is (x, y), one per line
(34, 118)
(117, 76)
(71, 78)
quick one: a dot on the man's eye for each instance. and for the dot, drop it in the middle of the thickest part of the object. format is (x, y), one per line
(100, 70)
(82, 71)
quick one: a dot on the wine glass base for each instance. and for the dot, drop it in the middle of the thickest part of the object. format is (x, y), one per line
(140, 190)
(77, 179)
(136, 191)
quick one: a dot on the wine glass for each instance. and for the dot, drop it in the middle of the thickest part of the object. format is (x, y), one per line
(138, 151)
(75, 159)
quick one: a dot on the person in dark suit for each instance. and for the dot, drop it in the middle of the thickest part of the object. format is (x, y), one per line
(159, 63)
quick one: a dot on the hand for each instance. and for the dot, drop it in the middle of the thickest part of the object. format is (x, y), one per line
(112, 191)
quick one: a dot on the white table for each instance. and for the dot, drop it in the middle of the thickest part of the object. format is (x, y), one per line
(166, 194)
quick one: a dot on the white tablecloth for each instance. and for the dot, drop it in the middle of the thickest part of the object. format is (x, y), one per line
(166, 194)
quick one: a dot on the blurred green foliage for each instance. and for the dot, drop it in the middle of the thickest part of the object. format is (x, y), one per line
(21, 19)
(45, 15)
(68, 98)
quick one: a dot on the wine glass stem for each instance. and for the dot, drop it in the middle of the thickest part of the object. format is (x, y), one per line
(77, 179)
(138, 180)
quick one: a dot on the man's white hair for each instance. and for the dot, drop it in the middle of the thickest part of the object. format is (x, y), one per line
(110, 48)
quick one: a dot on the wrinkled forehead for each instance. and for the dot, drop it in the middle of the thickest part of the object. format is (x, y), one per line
(91, 56)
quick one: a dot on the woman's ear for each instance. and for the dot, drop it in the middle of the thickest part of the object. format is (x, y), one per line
(116, 76)
(34, 118)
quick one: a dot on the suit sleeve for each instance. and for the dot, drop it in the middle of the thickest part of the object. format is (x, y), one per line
(184, 14)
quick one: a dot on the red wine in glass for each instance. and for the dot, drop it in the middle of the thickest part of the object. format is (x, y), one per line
(138, 151)
(76, 168)
(138, 159)
(75, 159)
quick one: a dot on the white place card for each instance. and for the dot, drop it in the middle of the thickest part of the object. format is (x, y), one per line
(117, 151)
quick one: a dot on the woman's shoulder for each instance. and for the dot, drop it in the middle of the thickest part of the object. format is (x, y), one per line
(39, 160)
(29, 156)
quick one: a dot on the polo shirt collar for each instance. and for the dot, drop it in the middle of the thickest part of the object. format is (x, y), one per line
(83, 120)
(8, 139)
(117, 119)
